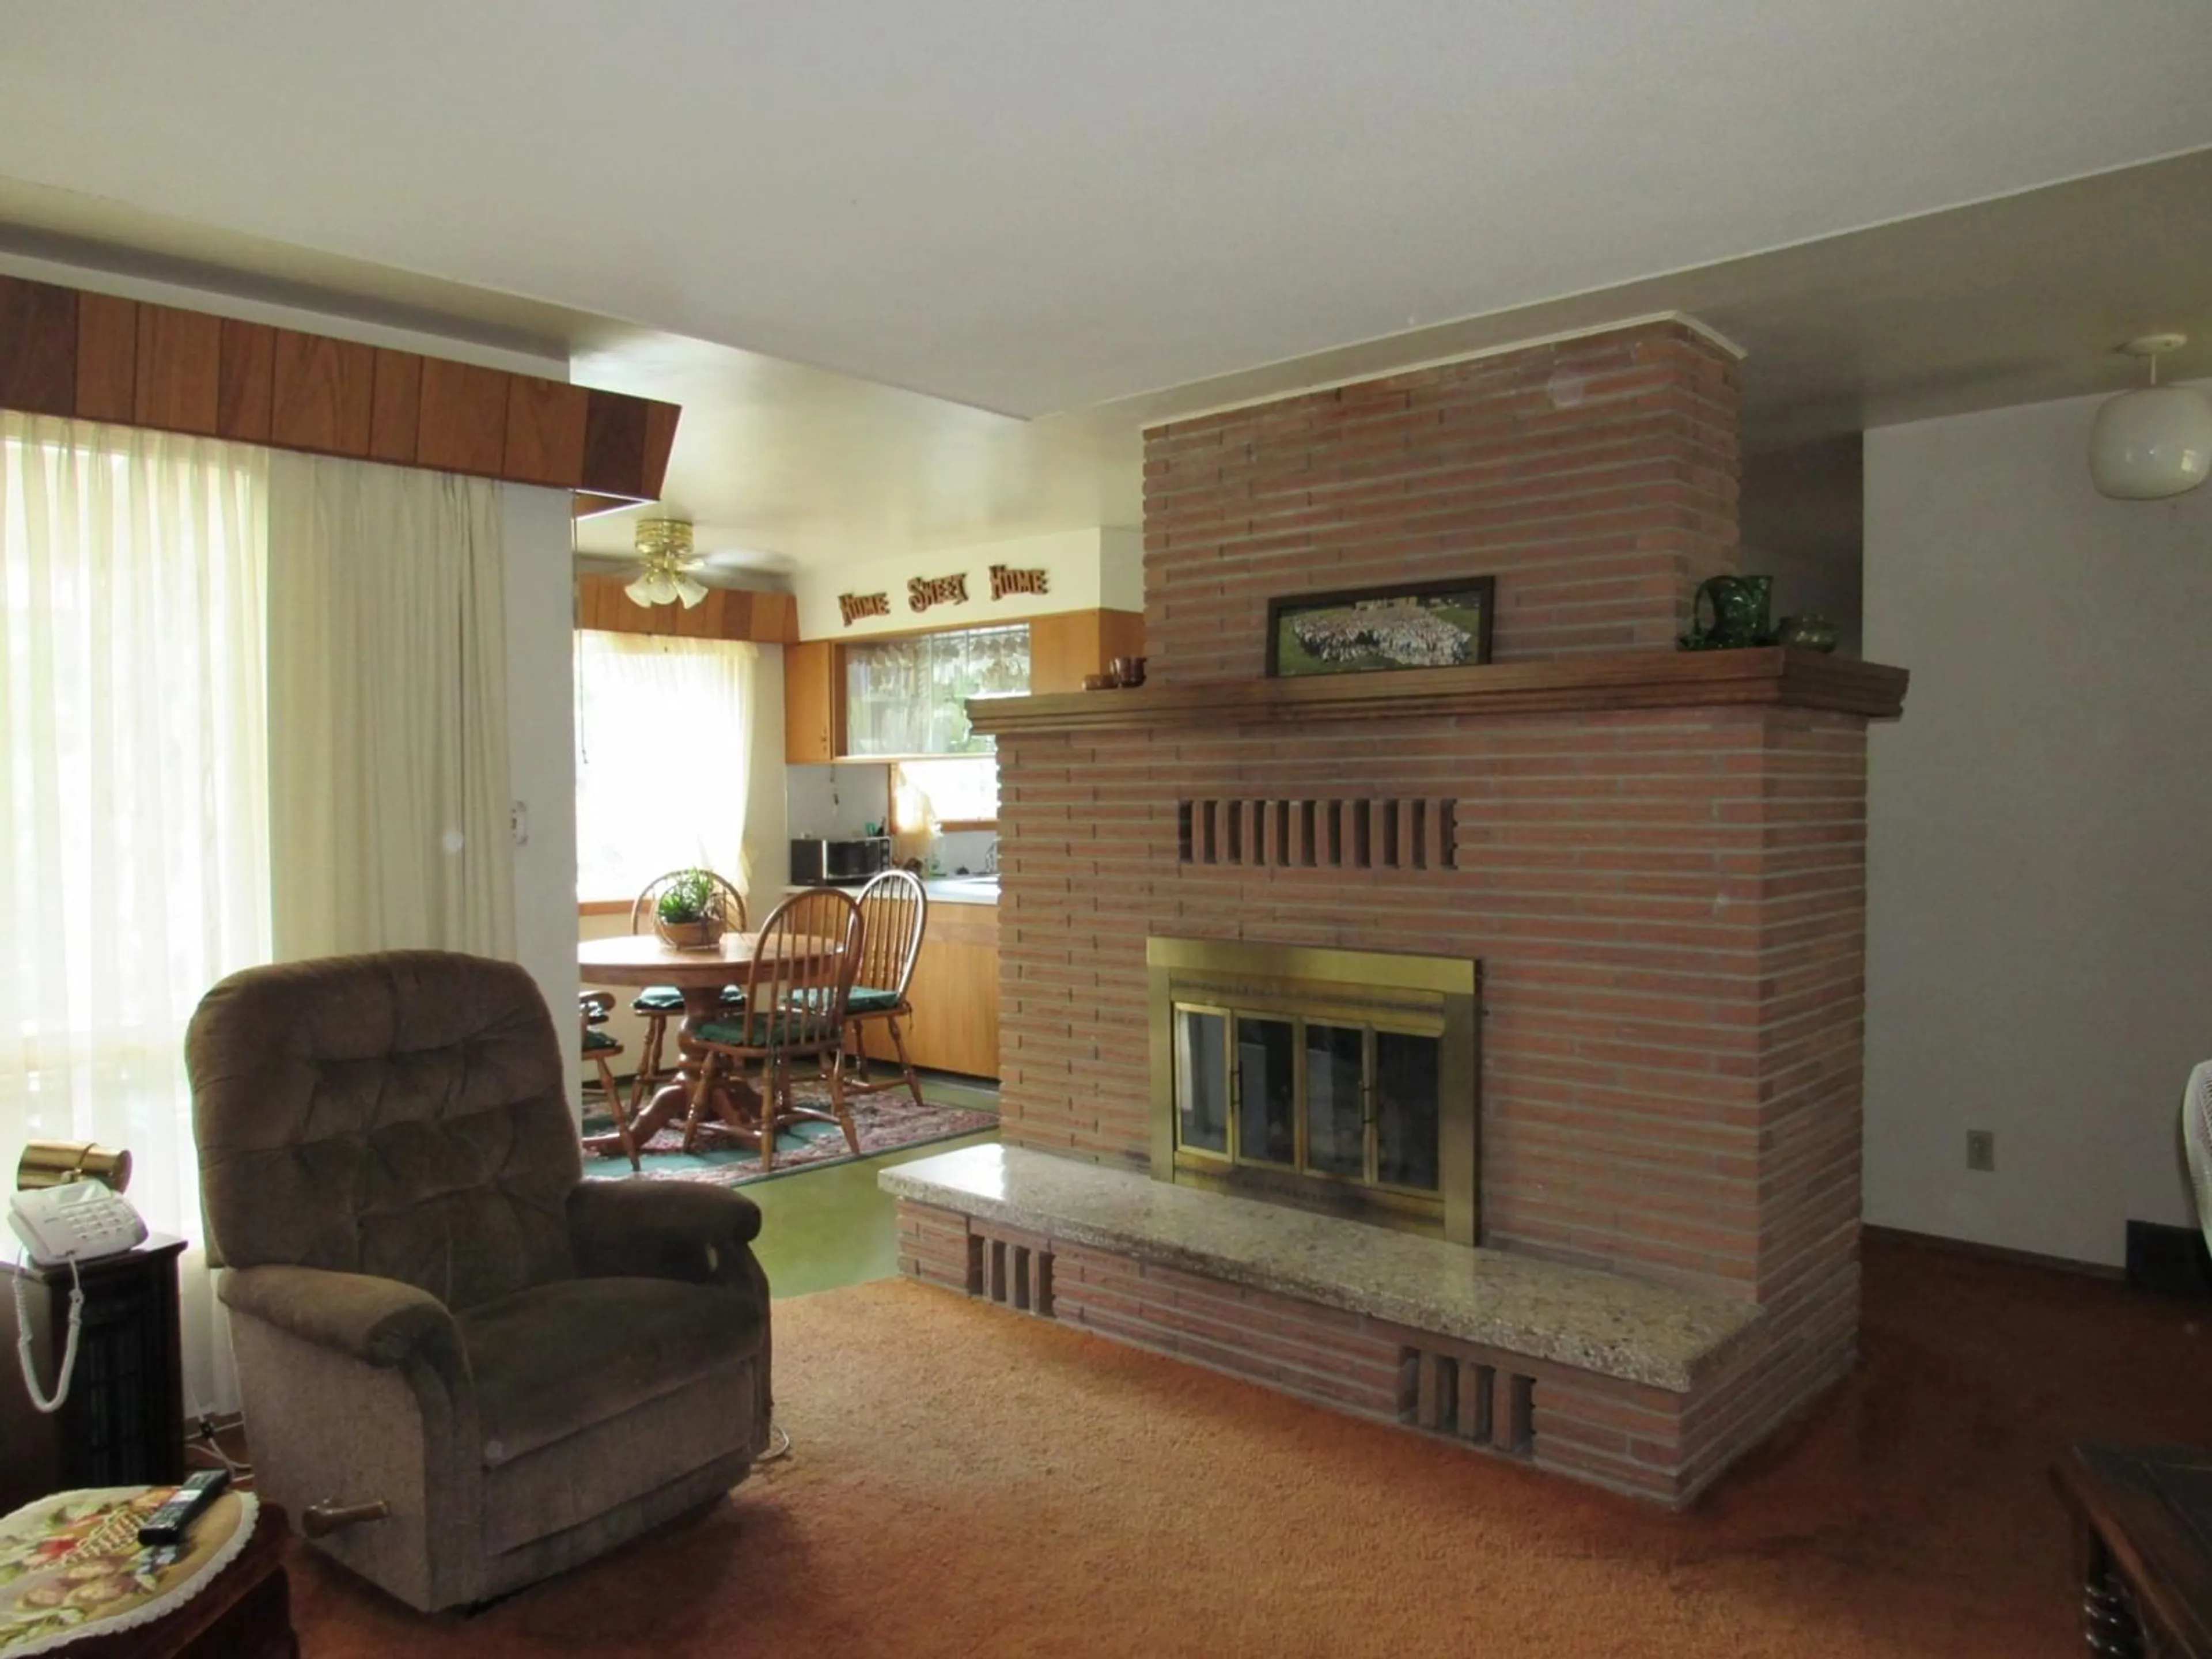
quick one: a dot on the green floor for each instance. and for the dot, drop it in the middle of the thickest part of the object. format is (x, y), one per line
(821, 1229)
(829, 1226)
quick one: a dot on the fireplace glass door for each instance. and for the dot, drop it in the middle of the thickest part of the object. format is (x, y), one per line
(1349, 1101)
(1348, 1081)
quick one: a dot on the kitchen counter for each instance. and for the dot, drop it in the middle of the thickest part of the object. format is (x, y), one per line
(941, 890)
(961, 889)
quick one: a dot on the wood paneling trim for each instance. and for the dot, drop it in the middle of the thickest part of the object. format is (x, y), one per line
(544, 432)
(1775, 677)
(614, 443)
(107, 358)
(395, 414)
(464, 418)
(37, 347)
(726, 613)
(246, 394)
(325, 394)
(178, 386)
(660, 441)
(91, 356)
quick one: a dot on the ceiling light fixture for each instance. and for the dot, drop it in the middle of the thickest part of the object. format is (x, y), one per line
(664, 547)
(2154, 441)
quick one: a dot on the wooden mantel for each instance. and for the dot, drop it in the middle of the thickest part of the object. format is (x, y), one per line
(91, 356)
(1773, 676)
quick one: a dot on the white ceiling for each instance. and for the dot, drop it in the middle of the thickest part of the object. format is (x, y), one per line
(1129, 213)
(1032, 208)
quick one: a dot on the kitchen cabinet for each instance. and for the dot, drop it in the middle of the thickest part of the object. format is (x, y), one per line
(811, 692)
(955, 994)
(1065, 647)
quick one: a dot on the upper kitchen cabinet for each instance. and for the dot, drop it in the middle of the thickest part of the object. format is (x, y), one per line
(810, 687)
(1066, 648)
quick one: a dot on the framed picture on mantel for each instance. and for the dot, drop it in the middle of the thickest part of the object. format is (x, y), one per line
(1442, 624)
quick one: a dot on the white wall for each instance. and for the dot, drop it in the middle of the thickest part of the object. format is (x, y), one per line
(2040, 860)
(541, 739)
(767, 841)
(1085, 569)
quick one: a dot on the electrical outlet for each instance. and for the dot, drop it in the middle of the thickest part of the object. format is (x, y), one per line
(1981, 1149)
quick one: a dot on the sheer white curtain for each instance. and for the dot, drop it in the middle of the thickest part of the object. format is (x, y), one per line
(663, 741)
(388, 677)
(133, 796)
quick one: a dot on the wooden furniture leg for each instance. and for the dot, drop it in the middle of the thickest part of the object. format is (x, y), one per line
(615, 1106)
(906, 1066)
(835, 1074)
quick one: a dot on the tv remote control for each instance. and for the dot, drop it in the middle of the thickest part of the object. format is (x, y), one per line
(169, 1523)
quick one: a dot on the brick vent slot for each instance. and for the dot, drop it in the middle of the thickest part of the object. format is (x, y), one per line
(1459, 1396)
(1388, 832)
(1012, 1269)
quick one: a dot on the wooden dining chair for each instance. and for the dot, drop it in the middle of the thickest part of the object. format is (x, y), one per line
(894, 910)
(592, 1009)
(794, 1010)
(661, 1003)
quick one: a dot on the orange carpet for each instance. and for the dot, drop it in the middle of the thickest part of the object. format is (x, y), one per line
(966, 1481)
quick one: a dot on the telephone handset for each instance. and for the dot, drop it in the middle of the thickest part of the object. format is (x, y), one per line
(81, 1221)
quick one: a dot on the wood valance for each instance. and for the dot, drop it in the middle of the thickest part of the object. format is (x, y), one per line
(1775, 677)
(726, 613)
(91, 356)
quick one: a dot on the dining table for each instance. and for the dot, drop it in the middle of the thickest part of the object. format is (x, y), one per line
(700, 973)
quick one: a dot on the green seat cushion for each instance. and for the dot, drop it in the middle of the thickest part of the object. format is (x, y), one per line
(598, 1040)
(866, 1000)
(667, 1000)
(758, 1032)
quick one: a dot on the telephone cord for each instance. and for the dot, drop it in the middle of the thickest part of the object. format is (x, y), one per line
(48, 1405)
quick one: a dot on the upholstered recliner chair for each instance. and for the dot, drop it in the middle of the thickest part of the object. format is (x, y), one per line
(431, 1310)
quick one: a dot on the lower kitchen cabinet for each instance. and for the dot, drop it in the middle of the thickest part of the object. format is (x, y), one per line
(955, 994)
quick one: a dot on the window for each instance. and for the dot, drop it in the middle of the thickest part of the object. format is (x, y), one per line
(909, 696)
(664, 756)
(133, 793)
(955, 793)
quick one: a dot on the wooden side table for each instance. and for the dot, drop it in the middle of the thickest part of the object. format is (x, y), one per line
(245, 1613)
(2143, 1537)
(123, 1422)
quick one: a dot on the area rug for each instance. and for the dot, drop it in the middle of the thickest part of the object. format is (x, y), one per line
(886, 1122)
(967, 1480)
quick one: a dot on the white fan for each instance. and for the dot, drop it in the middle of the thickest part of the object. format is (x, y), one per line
(2196, 1141)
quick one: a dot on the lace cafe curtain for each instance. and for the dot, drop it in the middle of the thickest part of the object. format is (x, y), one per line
(133, 794)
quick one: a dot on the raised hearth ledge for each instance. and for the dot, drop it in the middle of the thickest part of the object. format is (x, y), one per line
(1771, 676)
(1609, 1323)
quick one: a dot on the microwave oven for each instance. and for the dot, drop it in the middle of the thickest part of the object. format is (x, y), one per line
(818, 863)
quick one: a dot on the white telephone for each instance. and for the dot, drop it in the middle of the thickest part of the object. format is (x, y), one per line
(81, 1221)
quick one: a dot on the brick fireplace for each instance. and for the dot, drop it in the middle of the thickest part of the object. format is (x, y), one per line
(1657, 858)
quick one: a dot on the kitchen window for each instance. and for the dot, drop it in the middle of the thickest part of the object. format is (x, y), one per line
(958, 792)
(909, 696)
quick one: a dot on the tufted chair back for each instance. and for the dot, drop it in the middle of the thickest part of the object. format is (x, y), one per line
(404, 1115)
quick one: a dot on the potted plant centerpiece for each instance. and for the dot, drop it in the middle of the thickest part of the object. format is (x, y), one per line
(688, 914)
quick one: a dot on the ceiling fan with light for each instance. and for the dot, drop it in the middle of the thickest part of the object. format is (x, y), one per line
(664, 548)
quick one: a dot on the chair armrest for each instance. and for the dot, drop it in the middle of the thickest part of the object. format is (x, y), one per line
(382, 1322)
(680, 1230)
